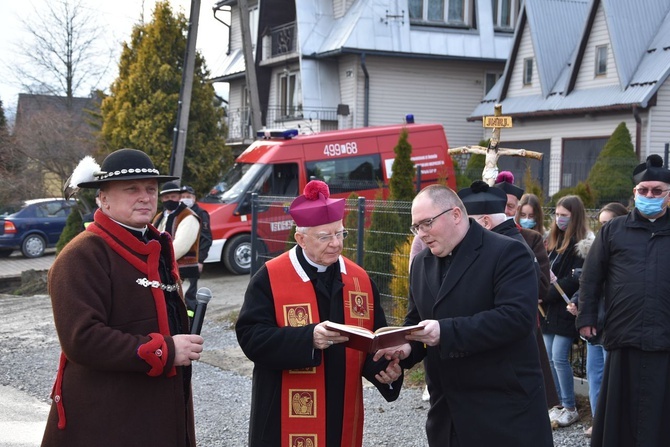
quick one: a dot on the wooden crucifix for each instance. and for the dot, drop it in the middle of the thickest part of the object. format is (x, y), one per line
(493, 152)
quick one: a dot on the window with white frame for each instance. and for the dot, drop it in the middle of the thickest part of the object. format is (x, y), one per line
(290, 102)
(505, 13)
(450, 12)
(601, 60)
(528, 71)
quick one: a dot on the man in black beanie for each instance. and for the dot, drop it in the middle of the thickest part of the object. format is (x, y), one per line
(628, 266)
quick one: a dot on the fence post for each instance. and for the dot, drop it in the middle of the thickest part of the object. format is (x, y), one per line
(418, 179)
(254, 233)
(361, 230)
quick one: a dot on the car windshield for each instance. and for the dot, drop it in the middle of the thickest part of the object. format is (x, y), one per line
(236, 182)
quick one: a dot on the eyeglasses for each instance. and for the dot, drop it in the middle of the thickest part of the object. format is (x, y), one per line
(340, 235)
(426, 224)
(656, 192)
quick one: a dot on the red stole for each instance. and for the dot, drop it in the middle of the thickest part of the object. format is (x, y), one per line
(303, 407)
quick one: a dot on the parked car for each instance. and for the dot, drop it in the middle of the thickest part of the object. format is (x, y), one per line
(33, 225)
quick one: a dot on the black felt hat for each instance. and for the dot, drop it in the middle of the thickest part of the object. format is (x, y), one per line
(651, 170)
(170, 187)
(188, 189)
(505, 181)
(123, 164)
(480, 198)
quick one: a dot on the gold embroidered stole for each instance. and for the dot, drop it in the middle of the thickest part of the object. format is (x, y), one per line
(303, 406)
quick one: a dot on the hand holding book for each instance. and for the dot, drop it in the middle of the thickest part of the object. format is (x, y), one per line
(368, 341)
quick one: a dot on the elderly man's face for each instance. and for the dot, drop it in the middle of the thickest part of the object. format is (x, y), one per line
(654, 189)
(322, 244)
(130, 202)
(512, 204)
(442, 236)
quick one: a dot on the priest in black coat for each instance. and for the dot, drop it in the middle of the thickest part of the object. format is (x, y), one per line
(307, 386)
(475, 293)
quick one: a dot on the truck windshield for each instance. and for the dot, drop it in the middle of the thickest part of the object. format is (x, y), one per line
(235, 182)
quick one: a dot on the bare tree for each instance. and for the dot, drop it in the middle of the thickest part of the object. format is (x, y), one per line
(63, 54)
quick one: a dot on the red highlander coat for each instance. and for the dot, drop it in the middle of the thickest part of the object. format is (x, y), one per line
(119, 384)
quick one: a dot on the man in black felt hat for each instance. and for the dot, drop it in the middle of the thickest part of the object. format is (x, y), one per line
(124, 372)
(183, 225)
(628, 267)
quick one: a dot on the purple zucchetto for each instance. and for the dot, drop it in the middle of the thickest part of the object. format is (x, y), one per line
(315, 207)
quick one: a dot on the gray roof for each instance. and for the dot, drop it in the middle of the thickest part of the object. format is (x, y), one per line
(379, 26)
(640, 40)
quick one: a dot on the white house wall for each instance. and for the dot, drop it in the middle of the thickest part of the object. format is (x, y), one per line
(434, 91)
(516, 87)
(659, 118)
(586, 77)
(349, 72)
(235, 29)
(557, 129)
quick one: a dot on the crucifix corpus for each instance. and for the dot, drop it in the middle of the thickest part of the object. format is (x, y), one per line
(493, 152)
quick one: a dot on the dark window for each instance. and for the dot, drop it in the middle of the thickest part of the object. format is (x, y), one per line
(528, 71)
(347, 174)
(601, 60)
(579, 157)
(539, 170)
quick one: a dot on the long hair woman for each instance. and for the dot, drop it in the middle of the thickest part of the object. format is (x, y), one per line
(566, 244)
(529, 213)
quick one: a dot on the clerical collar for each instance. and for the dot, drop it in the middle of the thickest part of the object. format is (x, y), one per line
(319, 268)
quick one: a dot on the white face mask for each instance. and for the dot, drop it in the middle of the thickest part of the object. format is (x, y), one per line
(188, 202)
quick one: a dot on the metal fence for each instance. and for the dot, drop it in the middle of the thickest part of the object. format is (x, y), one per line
(387, 265)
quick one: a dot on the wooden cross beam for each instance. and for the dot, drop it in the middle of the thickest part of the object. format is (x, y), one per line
(493, 152)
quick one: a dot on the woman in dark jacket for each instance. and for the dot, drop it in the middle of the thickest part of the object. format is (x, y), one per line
(568, 232)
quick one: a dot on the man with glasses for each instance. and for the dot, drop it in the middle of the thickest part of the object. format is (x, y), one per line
(306, 385)
(475, 293)
(628, 267)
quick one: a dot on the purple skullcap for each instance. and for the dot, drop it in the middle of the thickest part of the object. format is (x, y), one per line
(314, 207)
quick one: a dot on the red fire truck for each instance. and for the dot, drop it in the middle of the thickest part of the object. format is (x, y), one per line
(282, 162)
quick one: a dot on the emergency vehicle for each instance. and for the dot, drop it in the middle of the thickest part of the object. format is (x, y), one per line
(282, 162)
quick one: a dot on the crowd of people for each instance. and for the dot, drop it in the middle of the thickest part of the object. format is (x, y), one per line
(496, 303)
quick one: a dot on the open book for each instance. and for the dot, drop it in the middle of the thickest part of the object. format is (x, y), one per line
(367, 341)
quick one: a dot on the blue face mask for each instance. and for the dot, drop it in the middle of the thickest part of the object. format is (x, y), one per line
(649, 206)
(527, 223)
(562, 222)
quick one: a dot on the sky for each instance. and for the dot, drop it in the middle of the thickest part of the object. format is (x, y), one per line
(116, 19)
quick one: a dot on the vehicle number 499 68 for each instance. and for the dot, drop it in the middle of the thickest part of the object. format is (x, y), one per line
(333, 150)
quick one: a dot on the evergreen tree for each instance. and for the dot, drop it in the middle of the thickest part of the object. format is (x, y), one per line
(351, 224)
(401, 184)
(141, 110)
(611, 176)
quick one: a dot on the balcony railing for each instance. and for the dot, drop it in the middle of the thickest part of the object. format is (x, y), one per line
(277, 115)
(239, 125)
(283, 39)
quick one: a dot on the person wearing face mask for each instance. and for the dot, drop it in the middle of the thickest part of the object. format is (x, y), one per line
(188, 198)
(183, 225)
(627, 267)
(566, 243)
(595, 353)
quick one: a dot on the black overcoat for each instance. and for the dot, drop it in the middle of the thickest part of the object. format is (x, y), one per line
(484, 377)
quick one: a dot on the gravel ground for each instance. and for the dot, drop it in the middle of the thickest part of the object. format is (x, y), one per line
(29, 355)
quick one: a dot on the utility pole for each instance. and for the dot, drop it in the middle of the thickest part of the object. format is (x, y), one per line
(250, 66)
(184, 105)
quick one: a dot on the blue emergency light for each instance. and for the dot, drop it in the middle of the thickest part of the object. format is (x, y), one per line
(286, 134)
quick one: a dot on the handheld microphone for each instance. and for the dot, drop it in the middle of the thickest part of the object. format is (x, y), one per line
(202, 297)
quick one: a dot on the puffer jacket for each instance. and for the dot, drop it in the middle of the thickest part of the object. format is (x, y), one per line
(629, 264)
(557, 319)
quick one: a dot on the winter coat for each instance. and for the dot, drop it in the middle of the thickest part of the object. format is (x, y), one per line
(118, 383)
(484, 376)
(629, 267)
(557, 319)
